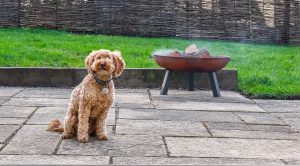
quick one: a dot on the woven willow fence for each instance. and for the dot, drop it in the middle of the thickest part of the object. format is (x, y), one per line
(276, 21)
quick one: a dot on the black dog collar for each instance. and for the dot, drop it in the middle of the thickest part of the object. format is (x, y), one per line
(101, 82)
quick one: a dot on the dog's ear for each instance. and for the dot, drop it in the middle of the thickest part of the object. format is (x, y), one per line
(119, 63)
(89, 61)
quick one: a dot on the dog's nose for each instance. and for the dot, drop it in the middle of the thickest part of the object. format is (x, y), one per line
(102, 65)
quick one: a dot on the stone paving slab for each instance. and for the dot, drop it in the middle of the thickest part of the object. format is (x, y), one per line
(292, 162)
(149, 126)
(45, 114)
(111, 117)
(293, 119)
(53, 160)
(9, 91)
(260, 118)
(207, 106)
(254, 134)
(123, 97)
(233, 148)
(139, 114)
(200, 96)
(32, 139)
(228, 126)
(191, 161)
(293, 122)
(287, 115)
(3, 99)
(37, 102)
(109, 130)
(273, 128)
(117, 145)
(45, 93)
(194, 116)
(280, 105)
(242, 126)
(156, 127)
(129, 100)
(15, 112)
(125, 90)
(6, 131)
(12, 121)
(134, 105)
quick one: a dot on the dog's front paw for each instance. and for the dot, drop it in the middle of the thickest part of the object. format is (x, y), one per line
(66, 135)
(103, 137)
(83, 138)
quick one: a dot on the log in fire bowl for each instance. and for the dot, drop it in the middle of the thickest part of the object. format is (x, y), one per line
(191, 65)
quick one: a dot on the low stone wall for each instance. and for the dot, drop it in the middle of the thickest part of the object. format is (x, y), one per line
(131, 78)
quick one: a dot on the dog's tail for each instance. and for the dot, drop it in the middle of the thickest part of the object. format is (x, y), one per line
(55, 125)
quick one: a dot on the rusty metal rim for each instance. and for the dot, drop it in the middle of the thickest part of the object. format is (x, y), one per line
(213, 57)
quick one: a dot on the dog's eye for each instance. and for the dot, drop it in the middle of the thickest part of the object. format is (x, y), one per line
(98, 58)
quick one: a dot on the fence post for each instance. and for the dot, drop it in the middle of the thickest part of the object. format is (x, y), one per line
(286, 22)
(250, 20)
(175, 8)
(19, 13)
(188, 17)
(57, 15)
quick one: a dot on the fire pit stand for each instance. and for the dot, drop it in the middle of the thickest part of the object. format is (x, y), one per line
(191, 65)
(211, 75)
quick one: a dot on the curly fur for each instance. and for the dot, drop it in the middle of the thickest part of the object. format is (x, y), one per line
(88, 106)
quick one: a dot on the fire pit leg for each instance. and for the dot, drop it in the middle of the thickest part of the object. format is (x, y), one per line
(214, 84)
(191, 81)
(166, 83)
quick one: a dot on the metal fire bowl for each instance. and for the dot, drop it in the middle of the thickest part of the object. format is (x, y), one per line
(192, 64)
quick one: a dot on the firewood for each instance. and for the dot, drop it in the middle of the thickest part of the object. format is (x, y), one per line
(191, 49)
(194, 52)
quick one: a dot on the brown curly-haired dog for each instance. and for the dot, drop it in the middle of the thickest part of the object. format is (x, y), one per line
(92, 98)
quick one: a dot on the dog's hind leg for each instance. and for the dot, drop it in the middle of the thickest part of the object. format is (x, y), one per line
(70, 124)
(71, 120)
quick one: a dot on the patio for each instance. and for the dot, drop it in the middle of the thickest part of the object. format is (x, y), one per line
(190, 128)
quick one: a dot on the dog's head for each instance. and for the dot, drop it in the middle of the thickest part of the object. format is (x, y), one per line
(105, 63)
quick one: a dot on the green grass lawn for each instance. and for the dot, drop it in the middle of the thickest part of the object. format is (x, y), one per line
(264, 70)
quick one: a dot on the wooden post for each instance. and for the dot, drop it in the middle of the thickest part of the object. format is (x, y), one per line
(286, 22)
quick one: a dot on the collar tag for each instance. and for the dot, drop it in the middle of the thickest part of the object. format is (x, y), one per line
(105, 91)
